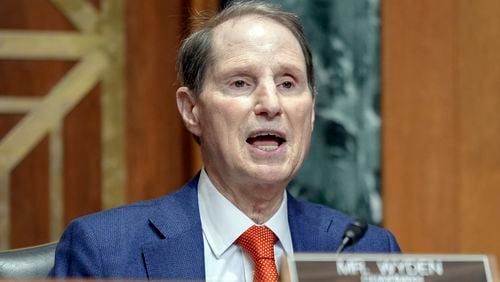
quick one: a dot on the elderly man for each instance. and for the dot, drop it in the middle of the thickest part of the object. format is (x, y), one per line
(248, 98)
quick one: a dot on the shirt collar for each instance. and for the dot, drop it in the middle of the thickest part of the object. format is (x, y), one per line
(222, 222)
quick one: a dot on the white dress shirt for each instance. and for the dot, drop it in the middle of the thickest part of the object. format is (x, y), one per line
(222, 223)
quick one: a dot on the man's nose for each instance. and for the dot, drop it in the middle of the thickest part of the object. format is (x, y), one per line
(268, 101)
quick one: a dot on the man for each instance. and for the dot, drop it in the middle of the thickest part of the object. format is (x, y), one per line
(248, 98)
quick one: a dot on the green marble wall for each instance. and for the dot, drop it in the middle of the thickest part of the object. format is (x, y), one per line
(343, 166)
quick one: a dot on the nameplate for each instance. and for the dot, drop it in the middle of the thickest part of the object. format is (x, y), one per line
(305, 267)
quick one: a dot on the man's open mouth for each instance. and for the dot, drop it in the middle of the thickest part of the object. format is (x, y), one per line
(266, 141)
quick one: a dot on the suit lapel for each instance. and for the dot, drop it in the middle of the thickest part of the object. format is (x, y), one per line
(180, 257)
(301, 229)
(179, 253)
(311, 231)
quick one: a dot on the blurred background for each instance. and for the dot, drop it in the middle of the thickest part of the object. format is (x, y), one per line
(406, 134)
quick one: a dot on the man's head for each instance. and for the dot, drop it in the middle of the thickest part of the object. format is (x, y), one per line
(254, 109)
(195, 55)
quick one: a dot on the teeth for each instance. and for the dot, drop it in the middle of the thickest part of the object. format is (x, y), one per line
(267, 148)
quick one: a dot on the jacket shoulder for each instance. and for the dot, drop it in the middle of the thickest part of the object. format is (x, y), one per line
(328, 225)
(108, 243)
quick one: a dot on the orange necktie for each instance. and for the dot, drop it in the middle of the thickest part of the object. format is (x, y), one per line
(258, 243)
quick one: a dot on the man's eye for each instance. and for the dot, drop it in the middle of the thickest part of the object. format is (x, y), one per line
(239, 83)
(287, 84)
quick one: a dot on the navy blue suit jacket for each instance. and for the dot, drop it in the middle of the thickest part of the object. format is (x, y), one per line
(162, 238)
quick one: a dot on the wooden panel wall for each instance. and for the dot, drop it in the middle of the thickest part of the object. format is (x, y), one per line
(441, 114)
(158, 146)
(160, 154)
(29, 195)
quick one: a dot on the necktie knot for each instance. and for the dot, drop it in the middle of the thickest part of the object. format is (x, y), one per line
(258, 243)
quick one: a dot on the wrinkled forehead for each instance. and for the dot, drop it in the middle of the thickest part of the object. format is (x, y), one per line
(253, 33)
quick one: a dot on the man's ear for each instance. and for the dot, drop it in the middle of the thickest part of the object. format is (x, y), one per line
(186, 104)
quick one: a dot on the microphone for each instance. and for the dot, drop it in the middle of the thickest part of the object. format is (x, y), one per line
(352, 233)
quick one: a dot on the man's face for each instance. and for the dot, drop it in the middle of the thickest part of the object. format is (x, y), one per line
(255, 113)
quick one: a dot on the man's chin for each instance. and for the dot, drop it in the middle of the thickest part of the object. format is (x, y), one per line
(271, 175)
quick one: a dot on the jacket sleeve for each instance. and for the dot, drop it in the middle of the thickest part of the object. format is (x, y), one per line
(77, 254)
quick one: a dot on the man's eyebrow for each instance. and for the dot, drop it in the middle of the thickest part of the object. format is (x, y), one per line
(242, 67)
(238, 70)
(293, 68)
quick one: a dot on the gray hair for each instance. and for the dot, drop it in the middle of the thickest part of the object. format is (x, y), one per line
(195, 53)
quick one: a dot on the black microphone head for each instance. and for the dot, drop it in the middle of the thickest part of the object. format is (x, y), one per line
(355, 230)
